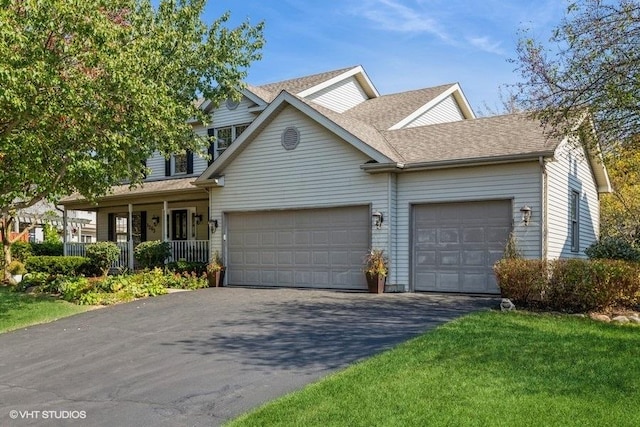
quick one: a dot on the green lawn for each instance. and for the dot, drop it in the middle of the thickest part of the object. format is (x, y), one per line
(18, 310)
(486, 369)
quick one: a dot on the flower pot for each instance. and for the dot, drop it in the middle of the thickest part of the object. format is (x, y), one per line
(215, 278)
(375, 283)
(17, 278)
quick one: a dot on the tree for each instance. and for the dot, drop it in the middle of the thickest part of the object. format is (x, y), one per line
(591, 64)
(89, 89)
(620, 211)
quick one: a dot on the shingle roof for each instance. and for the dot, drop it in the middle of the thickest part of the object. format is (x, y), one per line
(149, 188)
(387, 110)
(297, 85)
(499, 136)
(358, 128)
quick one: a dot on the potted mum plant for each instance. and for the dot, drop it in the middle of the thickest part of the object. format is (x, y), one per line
(215, 271)
(376, 268)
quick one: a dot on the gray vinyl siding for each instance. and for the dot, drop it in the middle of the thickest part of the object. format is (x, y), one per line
(323, 171)
(219, 117)
(570, 171)
(518, 182)
(340, 96)
(445, 111)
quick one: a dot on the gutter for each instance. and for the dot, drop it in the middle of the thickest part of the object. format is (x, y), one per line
(455, 163)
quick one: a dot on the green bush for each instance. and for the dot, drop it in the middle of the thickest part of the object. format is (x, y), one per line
(64, 265)
(152, 254)
(524, 281)
(34, 280)
(47, 249)
(613, 248)
(21, 251)
(187, 267)
(570, 285)
(16, 268)
(102, 255)
(186, 281)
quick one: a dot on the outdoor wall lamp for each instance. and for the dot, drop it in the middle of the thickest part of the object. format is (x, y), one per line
(526, 214)
(197, 218)
(213, 224)
(377, 219)
(155, 220)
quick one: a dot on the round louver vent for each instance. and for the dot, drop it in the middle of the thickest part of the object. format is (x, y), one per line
(290, 138)
(232, 104)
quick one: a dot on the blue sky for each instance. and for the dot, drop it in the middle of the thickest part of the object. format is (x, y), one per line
(402, 44)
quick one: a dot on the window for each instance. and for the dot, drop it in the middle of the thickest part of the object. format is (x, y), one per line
(575, 221)
(122, 228)
(226, 135)
(180, 163)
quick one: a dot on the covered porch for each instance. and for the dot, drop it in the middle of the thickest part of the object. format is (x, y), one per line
(173, 211)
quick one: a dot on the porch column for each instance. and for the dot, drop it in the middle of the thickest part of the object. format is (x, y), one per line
(165, 221)
(130, 235)
(79, 232)
(64, 231)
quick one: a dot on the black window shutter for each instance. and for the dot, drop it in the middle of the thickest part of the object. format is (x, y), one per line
(189, 162)
(212, 145)
(111, 232)
(143, 226)
(167, 167)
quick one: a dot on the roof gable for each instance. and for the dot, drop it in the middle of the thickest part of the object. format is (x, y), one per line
(360, 135)
(454, 90)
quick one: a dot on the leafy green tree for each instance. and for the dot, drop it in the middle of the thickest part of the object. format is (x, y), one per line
(591, 63)
(89, 89)
(620, 211)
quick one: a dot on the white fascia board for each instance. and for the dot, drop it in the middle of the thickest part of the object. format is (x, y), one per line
(360, 74)
(266, 116)
(454, 90)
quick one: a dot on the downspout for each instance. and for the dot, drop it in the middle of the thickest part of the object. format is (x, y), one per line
(543, 208)
(390, 223)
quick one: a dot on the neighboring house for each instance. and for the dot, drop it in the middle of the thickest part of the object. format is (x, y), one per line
(309, 174)
(81, 225)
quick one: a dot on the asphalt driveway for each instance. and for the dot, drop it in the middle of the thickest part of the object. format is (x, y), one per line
(200, 358)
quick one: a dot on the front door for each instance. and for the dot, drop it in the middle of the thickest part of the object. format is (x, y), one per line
(179, 225)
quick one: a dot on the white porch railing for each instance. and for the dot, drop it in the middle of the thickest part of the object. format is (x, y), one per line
(185, 250)
(190, 250)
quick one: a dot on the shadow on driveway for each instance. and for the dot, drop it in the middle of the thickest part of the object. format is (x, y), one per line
(329, 330)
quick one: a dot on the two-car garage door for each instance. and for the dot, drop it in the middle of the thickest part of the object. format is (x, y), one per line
(320, 248)
(455, 245)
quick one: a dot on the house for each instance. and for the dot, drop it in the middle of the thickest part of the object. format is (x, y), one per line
(81, 225)
(311, 173)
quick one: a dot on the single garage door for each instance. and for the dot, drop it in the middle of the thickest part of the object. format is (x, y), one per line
(315, 248)
(456, 244)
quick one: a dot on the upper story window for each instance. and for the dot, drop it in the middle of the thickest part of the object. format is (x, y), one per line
(179, 164)
(224, 137)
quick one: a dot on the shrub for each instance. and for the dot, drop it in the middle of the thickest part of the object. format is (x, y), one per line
(613, 248)
(570, 285)
(34, 280)
(152, 254)
(102, 255)
(187, 267)
(21, 251)
(16, 268)
(64, 265)
(47, 249)
(186, 281)
(524, 281)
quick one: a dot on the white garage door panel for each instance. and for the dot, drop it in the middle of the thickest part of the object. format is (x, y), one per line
(321, 248)
(455, 245)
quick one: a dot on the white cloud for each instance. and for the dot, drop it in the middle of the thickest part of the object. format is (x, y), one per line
(487, 45)
(391, 15)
